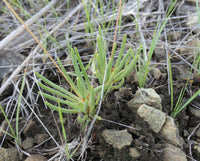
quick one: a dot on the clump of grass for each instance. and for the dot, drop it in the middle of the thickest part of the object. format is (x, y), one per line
(145, 60)
(181, 103)
(98, 16)
(84, 100)
(110, 76)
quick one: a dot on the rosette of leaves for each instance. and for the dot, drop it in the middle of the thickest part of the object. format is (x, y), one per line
(85, 98)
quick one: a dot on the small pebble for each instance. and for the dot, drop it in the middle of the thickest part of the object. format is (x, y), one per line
(36, 157)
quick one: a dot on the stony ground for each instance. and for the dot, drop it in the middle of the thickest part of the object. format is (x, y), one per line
(136, 123)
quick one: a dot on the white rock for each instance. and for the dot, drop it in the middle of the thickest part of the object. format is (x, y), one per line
(117, 138)
(134, 153)
(170, 133)
(155, 118)
(145, 96)
(171, 153)
(9, 154)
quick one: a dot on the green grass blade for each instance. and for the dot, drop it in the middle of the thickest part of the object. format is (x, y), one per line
(123, 61)
(64, 110)
(63, 129)
(92, 100)
(18, 108)
(85, 107)
(118, 86)
(102, 47)
(189, 101)
(121, 52)
(73, 105)
(171, 82)
(5, 132)
(97, 89)
(109, 70)
(56, 86)
(67, 97)
(83, 69)
(179, 101)
(123, 73)
(13, 133)
(99, 76)
(78, 72)
(73, 86)
(100, 65)
(80, 87)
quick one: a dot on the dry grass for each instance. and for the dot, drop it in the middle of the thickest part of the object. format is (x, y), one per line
(58, 26)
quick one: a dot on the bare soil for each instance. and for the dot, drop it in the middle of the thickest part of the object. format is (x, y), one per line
(114, 108)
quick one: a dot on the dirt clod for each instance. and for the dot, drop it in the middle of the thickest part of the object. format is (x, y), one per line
(134, 153)
(36, 157)
(170, 133)
(38, 138)
(171, 153)
(27, 143)
(155, 118)
(9, 154)
(118, 139)
(145, 96)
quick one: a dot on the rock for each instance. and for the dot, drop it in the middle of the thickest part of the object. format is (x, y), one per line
(156, 73)
(118, 139)
(170, 133)
(171, 153)
(27, 143)
(195, 111)
(123, 93)
(39, 138)
(9, 61)
(155, 118)
(9, 154)
(36, 157)
(197, 148)
(31, 124)
(134, 153)
(145, 96)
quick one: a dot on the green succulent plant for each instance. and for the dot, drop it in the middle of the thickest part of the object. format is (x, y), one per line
(86, 97)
